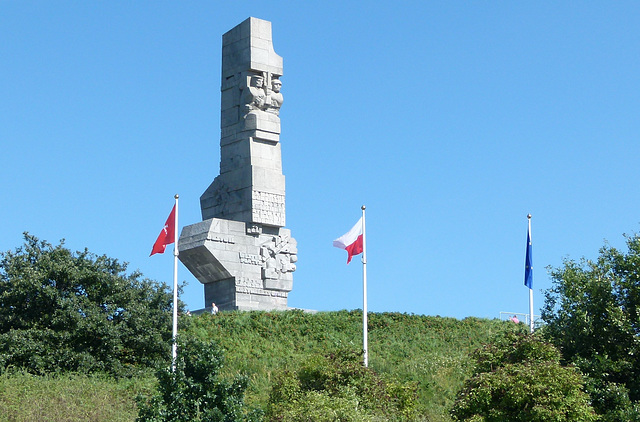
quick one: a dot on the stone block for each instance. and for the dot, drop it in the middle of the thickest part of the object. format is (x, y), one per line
(266, 155)
(260, 29)
(267, 180)
(236, 154)
(260, 121)
(222, 293)
(253, 35)
(283, 285)
(229, 117)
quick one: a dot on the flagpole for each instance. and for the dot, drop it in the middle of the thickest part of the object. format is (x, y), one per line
(365, 340)
(531, 288)
(174, 346)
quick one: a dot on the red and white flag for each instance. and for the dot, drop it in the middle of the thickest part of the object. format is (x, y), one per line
(351, 241)
(167, 235)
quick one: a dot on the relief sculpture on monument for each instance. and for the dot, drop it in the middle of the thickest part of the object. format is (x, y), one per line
(254, 95)
(261, 101)
(279, 257)
(275, 97)
(259, 96)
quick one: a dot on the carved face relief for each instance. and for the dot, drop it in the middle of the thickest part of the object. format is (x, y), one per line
(276, 85)
(257, 81)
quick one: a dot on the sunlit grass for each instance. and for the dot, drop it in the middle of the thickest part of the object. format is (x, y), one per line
(431, 352)
(70, 397)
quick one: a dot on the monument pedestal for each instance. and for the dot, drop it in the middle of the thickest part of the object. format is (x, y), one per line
(245, 267)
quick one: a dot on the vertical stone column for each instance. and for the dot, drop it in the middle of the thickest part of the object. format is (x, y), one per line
(241, 251)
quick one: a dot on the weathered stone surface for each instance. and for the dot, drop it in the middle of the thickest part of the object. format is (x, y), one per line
(250, 158)
(258, 265)
(241, 251)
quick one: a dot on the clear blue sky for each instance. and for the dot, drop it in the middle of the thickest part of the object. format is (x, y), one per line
(450, 120)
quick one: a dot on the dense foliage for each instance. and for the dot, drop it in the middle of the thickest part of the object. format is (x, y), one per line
(593, 316)
(520, 379)
(65, 311)
(337, 387)
(195, 392)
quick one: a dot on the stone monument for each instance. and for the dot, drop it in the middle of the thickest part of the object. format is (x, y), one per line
(241, 251)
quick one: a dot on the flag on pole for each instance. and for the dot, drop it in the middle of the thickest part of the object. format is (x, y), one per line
(528, 263)
(167, 235)
(352, 241)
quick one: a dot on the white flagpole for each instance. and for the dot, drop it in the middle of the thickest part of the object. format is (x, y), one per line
(365, 340)
(530, 290)
(174, 347)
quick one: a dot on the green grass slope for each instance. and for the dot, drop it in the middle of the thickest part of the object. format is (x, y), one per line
(70, 398)
(431, 352)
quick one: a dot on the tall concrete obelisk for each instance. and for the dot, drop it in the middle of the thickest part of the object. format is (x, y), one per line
(241, 251)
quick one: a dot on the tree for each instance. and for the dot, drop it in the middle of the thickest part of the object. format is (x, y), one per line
(194, 392)
(519, 379)
(336, 387)
(592, 313)
(64, 311)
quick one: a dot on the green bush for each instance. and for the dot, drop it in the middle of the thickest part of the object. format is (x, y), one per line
(337, 387)
(520, 379)
(194, 391)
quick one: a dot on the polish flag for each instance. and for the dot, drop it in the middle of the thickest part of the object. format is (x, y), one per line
(351, 241)
(167, 235)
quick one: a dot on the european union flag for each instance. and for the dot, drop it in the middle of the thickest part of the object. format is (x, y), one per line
(528, 264)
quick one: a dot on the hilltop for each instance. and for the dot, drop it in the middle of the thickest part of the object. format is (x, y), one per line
(429, 351)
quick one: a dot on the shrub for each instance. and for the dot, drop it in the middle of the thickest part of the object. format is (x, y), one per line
(521, 380)
(194, 392)
(337, 387)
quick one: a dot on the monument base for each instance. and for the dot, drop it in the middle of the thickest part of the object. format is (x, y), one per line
(244, 266)
(232, 295)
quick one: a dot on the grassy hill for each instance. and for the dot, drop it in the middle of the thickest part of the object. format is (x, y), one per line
(431, 352)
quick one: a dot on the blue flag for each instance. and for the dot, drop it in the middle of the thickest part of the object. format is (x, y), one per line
(528, 264)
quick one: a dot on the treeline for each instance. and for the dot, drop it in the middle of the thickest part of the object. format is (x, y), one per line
(69, 319)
